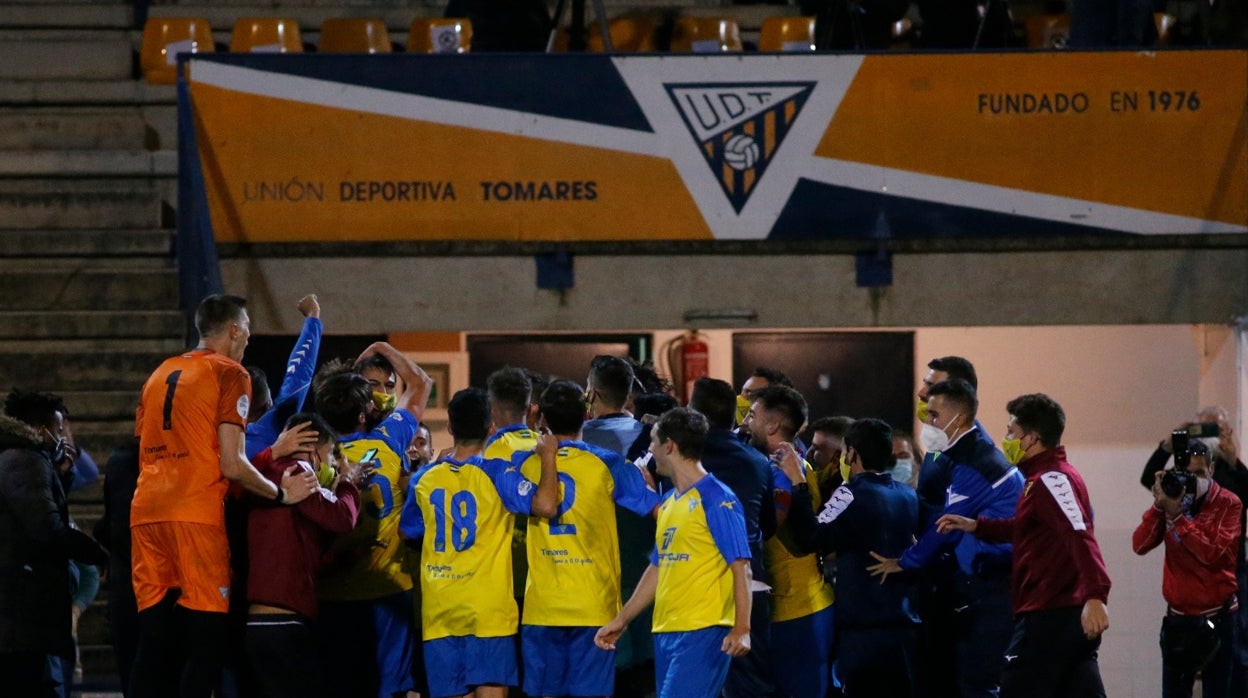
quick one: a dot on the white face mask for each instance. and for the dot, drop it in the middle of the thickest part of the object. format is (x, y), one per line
(933, 438)
(903, 470)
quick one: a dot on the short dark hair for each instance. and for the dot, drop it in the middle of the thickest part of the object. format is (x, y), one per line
(684, 427)
(788, 402)
(833, 426)
(613, 379)
(510, 390)
(1039, 413)
(217, 311)
(715, 399)
(34, 408)
(648, 379)
(260, 392)
(324, 433)
(955, 367)
(374, 361)
(341, 399)
(539, 381)
(959, 392)
(468, 415)
(563, 406)
(773, 376)
(872, 439)
(329, 369)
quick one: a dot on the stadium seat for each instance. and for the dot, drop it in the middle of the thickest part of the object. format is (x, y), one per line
(448, 35)
(354, 35)
(1047, 31)
(706, 35)
(164, 38)
(266, 35)
(628, 35)
(1164, 23)
(788, 34)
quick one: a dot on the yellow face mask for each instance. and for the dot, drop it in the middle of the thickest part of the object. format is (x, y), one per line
(325, 474)
(1013, 449)
(743, 408)
(844, 469)
(921, 411)
(385, 402)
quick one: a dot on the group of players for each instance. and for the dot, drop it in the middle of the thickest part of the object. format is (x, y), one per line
(513, 548)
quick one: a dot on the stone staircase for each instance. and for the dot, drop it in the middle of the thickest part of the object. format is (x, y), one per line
(88, 288)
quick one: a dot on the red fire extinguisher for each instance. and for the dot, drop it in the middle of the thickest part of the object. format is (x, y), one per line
(688, 359)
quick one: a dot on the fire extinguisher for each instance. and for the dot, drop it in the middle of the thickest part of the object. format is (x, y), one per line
(688, 359)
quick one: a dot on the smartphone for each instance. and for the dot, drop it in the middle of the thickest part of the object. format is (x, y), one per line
(1179, 440)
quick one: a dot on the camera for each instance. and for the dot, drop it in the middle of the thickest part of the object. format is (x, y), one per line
(1204, 430)
(1176, 483)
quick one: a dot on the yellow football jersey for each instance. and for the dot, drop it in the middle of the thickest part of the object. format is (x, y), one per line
(574, 558)
(701, 532)
(798, 588)
(462, 512)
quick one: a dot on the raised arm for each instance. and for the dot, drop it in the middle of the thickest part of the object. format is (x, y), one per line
(417, 386)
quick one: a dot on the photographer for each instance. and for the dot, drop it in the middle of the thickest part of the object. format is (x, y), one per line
(1200, 523)
(1213, 428)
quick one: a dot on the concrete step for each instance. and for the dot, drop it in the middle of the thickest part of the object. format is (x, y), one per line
(99, 439)
(78, 15)
(40, 55)
(71, 264)
(119, 128)
(57, 204)
(88, 289)
(77, 365)
(31, 92)
(100, 404)
(88, 163)
(84, 324)
(97, 660)
(50, 244)
(93, 624)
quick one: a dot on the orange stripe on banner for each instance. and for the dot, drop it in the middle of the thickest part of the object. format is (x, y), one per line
(748, 176)
(1162, 131)
(709, 147)
(748, 128)
(727, 176)
(790, 110)
(283, 171)
(769, 133)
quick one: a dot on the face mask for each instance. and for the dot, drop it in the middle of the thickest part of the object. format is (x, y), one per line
(743, 408)
(903, 470)
(325, 474)
(385, 402)
(844, 469)
(1013, 450)
(921, 411)
(933, 438)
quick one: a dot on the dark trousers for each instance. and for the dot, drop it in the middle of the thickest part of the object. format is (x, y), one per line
(180, 653)
(123, 628)
(1049, 657)
(877, 662)
(983, 622)
(1216, 677)
(750, 676)
(281, 652)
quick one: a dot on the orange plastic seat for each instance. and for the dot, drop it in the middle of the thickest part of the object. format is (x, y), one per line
(1047, 31)
(446, 35)
(628, 35)
(164, 38)
(354, 35)
(706, 35)
(266, 35)
(788, 34)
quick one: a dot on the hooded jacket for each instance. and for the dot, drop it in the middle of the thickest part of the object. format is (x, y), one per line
(36, 545)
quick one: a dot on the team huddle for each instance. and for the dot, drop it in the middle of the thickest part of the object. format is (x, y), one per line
(573, 539)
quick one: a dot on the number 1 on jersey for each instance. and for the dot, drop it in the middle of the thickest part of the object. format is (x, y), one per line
(172, 381)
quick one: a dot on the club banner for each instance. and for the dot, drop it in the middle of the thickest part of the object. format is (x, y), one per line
(296, 148)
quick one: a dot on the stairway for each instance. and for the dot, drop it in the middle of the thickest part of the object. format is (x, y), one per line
(88, 288)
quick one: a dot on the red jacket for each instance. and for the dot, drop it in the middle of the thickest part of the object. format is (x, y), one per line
(284, 543)
(1057, 562)
(1201, 550)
